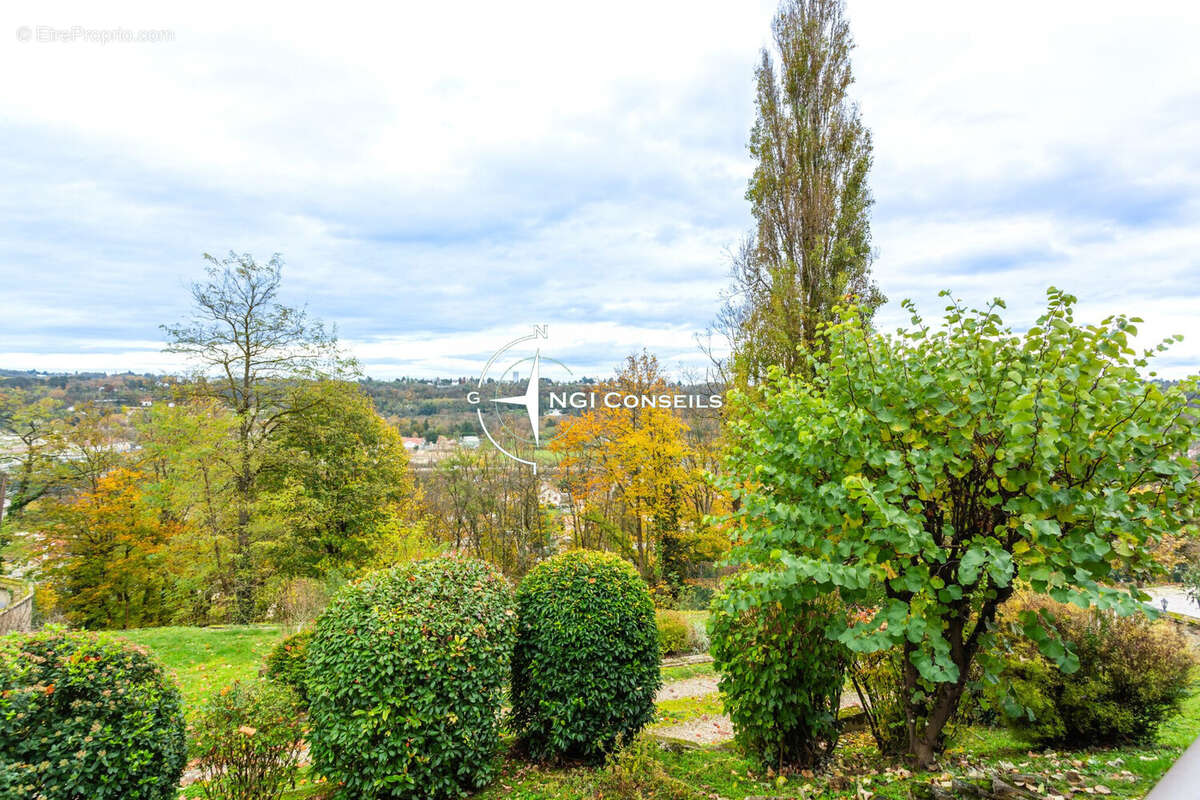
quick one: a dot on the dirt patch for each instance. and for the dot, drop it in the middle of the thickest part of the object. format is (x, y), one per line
(706, 729)
(699, 686)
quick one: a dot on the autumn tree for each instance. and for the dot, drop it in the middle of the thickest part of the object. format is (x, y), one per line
(924, 474)
(249, 349)
(811, 244)
(630, 471)
(104, 555)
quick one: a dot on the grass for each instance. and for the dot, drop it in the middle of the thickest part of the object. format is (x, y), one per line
(672, 712)
(205, 659)
(680, 673)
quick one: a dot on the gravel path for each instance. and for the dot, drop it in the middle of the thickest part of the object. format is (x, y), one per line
(707, 728)
(699, 686)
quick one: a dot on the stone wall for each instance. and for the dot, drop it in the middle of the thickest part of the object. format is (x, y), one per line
(18, 616)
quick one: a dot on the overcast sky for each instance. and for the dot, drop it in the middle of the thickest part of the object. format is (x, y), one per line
(440, 177)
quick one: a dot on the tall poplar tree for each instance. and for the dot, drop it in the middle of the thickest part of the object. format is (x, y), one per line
(811, 244)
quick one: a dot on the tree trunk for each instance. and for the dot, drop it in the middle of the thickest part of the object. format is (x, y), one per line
(923, 742)
(926, 720)
(243, 588)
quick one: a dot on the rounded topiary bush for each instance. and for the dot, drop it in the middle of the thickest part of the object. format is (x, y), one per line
(585, 668)
(405, 676)
(87, 716)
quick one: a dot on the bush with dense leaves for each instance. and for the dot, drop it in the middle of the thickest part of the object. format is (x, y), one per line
(781, 677)
(1132, 674)
(286, 663)
(585, 668)
(247, 742)
(406, 672)
(674, 633)
(87, 716)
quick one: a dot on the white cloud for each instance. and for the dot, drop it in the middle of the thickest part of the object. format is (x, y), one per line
(437, 175)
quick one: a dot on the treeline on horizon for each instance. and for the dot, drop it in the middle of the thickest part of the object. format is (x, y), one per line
(430, 408)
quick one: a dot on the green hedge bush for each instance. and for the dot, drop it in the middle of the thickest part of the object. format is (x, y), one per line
(405, 676)
(781, 678)
(585, 667)
(248, 740)
(86, 716)
(1132, 674)
(287, 663)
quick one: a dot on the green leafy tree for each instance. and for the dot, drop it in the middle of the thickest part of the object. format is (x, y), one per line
(32, 470)
(249, 349)
(938, 467)
(185, 457)
(809, 195)
(336, 483)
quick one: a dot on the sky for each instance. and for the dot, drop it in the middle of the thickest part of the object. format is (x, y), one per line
(441, 177)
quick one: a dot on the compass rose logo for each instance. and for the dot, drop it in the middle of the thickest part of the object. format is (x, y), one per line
(516, 418)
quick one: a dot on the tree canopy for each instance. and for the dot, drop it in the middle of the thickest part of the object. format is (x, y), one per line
(249, 348)
(924, 473)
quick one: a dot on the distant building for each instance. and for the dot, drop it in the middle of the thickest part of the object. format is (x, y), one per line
(550, 496)
(413, 443)
(470, 441)
(147, 402)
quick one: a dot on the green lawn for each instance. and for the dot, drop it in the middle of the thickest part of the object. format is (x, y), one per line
(205, 659)
(686, 671)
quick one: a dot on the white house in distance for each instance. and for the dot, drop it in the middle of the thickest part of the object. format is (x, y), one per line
(413, 443)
